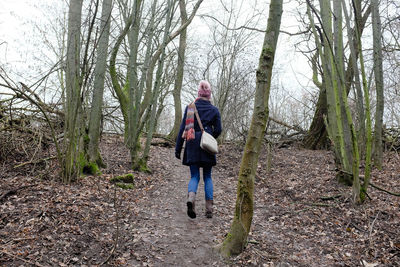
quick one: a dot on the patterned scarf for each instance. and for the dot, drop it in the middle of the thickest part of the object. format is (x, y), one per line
(188, 134)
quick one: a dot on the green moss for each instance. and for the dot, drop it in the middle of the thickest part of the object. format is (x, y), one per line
(91, 168)
(127, 178)
(86, 139)
(267, 50)
(86, 167)
(363, 194)
(142, 167)
(82, 162)
(125, 185)
(125, 181)
(99, 161)
(126, 86)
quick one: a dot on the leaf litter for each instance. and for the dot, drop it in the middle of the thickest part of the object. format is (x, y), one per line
(302, 216)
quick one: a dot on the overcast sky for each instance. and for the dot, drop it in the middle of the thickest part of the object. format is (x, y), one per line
(16, 48)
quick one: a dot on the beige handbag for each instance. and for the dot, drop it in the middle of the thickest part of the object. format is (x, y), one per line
(207, 142)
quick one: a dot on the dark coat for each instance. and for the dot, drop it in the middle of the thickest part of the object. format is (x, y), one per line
(211, 120)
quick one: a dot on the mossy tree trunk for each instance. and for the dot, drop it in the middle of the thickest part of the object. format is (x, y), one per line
(132, 82)
(317, 137)
(339, 122)
(359, 192)
(136, 94)
(236, 240)
(157, 87)
(331, 80)
(93, 152)
(341, 84)
(73, 115)
(179, 74)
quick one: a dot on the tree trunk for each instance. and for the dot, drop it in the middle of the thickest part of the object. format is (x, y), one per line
(236, 239)
(157, 86)
(152, 64)
(133, 81)
(317, 137)
(120, 91)
(179, 74)
(359, 193)
(97, 98)
(341, 85)
(378, 71)
(139, 113)
(71, 165)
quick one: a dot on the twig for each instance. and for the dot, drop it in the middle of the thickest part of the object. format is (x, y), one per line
(294, 127)
(33, 101)
(355, 226)
(330, 197)
(384, 190)
(232, 29)
(380, 188)
(34, 162)
(264, 255)
(298, 211)
(253, 242)
(372, 225)
(21, 259)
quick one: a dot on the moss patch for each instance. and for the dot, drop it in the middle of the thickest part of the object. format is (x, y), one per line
(141, 166)
(91, 168)
(125, 181)
(125, 185)
(126, 178)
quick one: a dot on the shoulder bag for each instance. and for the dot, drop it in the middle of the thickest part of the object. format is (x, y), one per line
(207, 142)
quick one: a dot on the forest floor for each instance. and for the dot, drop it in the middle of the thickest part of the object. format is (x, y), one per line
(302, 216)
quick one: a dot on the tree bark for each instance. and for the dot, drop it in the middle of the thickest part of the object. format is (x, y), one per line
(157, 86)
(378, 71)
(133, 81)
(341, 84)
(236, 239)
(179, 73)
(149, 81)
(317, 137)
(359, 192)
(71, 165)
(97, 98)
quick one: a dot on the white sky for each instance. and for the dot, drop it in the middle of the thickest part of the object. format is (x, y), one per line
(16, 48)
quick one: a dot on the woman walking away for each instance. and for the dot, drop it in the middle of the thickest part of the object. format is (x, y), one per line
(193, 155)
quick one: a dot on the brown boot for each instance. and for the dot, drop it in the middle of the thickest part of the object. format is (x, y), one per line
(191, 205)
(209, 208)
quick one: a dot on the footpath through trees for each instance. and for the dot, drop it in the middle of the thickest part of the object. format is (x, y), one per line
(301, 216)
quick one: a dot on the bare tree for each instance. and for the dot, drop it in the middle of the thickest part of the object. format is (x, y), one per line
(378, 71)
(98, 91)
(73, 114)
(157, 86)
(236, 239)
(179, 74)
(136, 103)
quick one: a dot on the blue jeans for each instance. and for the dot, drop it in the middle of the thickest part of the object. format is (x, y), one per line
(195, 179)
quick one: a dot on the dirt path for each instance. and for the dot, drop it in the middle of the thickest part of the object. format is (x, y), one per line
(164, 233)
(92, 223)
